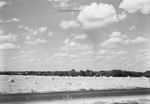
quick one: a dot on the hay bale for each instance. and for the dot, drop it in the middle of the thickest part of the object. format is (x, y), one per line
(36, 82)
(53, 78)
(11, 80)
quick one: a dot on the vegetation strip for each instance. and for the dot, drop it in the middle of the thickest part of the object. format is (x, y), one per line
(87, 73)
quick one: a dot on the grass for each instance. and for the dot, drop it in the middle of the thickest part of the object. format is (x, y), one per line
(140, 101)
(67, 99)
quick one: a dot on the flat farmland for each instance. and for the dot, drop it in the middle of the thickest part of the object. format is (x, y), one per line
(31, 84)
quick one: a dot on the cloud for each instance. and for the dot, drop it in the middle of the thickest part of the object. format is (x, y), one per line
(1, 21)
(79, 7)
(121, 53)
(11, 20)
(69, 24)
(111, 42)
(143, 55)
(28, 37)
(66, 41)
(69, 10)
(24, 54)
(37, 41)
(115, 38)
(50, 33)
(10, 37)
(118, 34)
(28, 52)
(29, 30)
(84, 52)
(132, 6)
(77, 36)
(21, 26)
(42, 29)
(2, 3)
(98, 15)
(63, 55)
(6, 39)
(106, 56)
(1, 32)
(8, 46)
(64, 4)
(138, 40)
(102, 52)
(16, 19)
(60, 54)
(132, 27)
(122, 16)
(41, 41)
(39, 31)
(61, 3)
(72, 46)
(32, 60)
(20, 56)
(87, 53)
(72, 56)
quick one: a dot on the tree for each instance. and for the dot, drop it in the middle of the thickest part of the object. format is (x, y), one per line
(147, 74)
(82, 73)
(73, 73)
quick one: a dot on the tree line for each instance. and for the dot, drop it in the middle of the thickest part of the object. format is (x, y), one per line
(86, 73)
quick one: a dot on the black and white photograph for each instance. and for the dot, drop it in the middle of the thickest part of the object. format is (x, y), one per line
(74, 51)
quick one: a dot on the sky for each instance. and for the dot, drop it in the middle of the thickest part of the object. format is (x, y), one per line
(60, 35)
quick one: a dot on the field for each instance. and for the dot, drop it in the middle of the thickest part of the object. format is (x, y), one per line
(31, 84)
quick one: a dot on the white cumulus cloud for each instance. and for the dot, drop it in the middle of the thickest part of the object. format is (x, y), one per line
(138, 40)
(90, 52)
(98, 15)
(10, 20)
(115, 37)
(33, 60)
(67, 41)
(3, 3)
(132, 6)
(61, 54)
(28, 52)
(37, 41)
(42, 29)
(16, 19)
(8, 46)
(68, 24)
(132, 27)
(33, 32)
(10, 37)
(1, 32)
(143, 55)
(78, 36)
(61, 3)
(73, 46)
